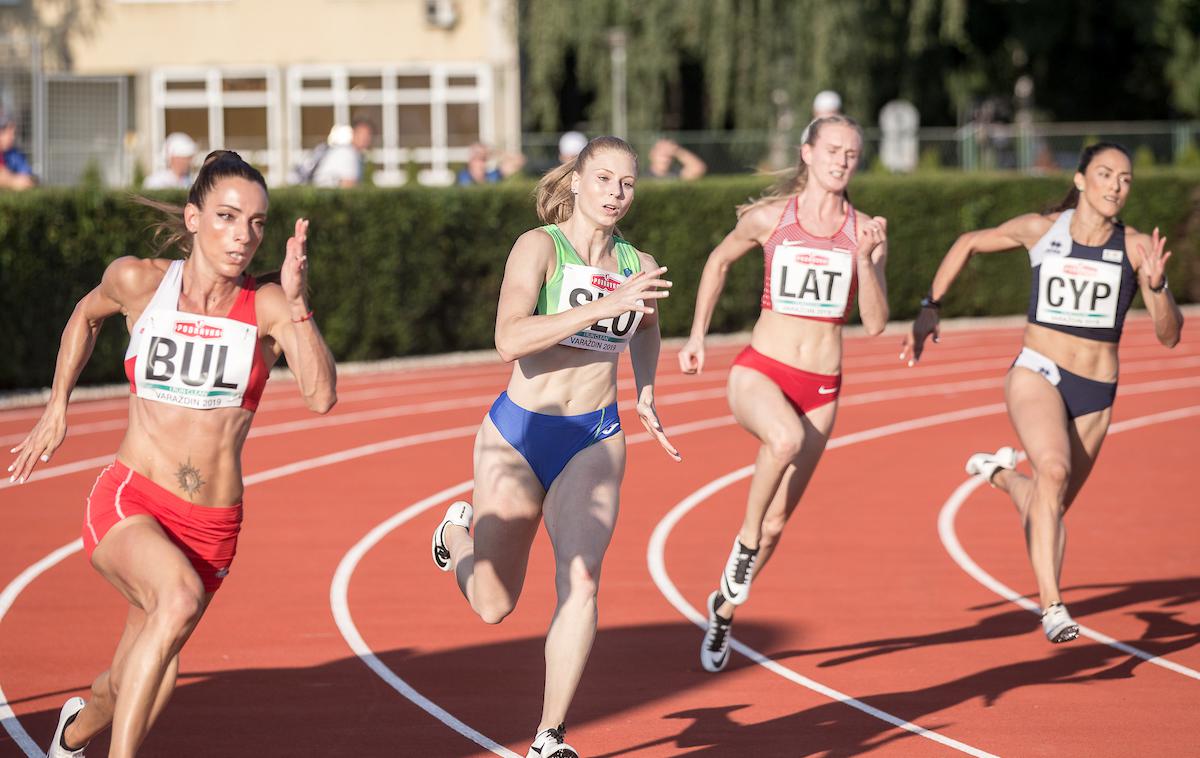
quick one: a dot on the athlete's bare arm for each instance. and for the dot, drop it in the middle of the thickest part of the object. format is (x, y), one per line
(1023, 231)
(1146, 253)
(126, 286)
(643, 353)
(752, 230)
(285, 316)
(520, 333)
(872, 280)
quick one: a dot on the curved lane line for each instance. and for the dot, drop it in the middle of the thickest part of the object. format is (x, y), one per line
(656, 561)
(949, 537)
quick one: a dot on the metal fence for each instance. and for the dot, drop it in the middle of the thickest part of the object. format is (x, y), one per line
(1032, 148)
(69, 125)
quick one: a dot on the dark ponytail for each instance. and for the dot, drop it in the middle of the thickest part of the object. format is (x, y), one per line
(171, 231)
(1071, 199)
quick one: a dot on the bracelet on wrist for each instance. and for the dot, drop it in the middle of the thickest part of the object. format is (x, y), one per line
(1159, 288)
(306, 317)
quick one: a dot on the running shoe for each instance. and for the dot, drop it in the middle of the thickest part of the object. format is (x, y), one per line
(714, 653)
(549, 744)
(69, 710)
(987, 464)
(739, 570)
(459, 513)
(1058, 624)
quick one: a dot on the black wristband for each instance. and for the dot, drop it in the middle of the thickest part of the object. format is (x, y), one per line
(929, 302)
(1160, 287)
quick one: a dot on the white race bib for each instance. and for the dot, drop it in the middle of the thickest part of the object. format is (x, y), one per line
(582, 285)
(194, 361)
(810, 282)
(1077, 292)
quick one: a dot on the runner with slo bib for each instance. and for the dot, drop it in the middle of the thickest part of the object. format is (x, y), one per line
(818, 253)
(574, 297)
(1087, 268)
(161, 522)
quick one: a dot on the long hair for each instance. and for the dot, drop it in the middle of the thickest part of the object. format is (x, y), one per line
(793, 181)
(171, 231)
(1086, 155)
(555, 201)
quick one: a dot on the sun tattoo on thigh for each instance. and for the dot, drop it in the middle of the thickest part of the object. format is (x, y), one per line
(189, 478)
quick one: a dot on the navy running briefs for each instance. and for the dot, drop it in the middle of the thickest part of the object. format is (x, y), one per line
(548, 443)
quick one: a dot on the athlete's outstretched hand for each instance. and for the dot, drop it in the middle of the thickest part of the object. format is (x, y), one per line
(925, 324)
(1154, 260)
(293, 277)
(648, 415)
(691, 356)
(871, 234)
(634, 292)
(39, 444)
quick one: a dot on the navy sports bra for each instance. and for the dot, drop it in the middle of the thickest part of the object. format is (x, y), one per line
(1079, 289)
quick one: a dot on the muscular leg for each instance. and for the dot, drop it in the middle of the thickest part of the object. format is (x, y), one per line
(490, 564)
(581, 512)
(762, 409)
(158, 580)
(815, 429)
(1062, 454)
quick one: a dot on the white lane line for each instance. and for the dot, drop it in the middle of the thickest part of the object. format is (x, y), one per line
(923, 390)
(8, 719)
(656, 561)
(949, 537)
(8, 596)
(339, 591)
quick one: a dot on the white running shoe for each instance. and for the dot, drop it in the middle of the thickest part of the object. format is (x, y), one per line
(549, 744)
(459, 513)
(987, 464)
(739, 571)
(69, 710)
(714, 653)
(1058, 624)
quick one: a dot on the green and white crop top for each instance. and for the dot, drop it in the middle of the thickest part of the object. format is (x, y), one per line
(575, 283)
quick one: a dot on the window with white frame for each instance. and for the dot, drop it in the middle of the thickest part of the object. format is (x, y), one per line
(425, 115)
(232, 108)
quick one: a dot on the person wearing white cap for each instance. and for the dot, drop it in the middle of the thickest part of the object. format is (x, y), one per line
(570, 145)
(342, 164)
(826, 103)
(179, 149)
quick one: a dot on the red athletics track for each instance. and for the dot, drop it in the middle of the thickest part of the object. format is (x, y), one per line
(863, 597)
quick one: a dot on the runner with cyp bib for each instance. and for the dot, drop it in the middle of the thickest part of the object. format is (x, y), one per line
(1087, 268)
(819, 252)
(575, 295)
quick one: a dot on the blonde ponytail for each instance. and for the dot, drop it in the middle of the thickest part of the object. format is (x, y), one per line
(793, 180)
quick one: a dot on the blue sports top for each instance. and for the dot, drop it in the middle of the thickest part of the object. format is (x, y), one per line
(1080, 289)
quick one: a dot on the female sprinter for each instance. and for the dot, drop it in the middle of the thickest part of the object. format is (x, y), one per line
(783, 388)
(161, 523)
(1087, 267)
(574, 295)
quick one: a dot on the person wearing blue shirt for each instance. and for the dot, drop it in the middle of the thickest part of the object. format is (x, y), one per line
(15, 171)
(477, 172)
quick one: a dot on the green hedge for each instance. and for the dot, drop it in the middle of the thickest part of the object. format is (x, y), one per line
(413, 271)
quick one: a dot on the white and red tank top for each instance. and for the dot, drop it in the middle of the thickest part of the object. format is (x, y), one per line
(197, 361)
(806, 275)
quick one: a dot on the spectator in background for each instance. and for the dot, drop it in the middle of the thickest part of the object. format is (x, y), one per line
(15, 171)
(665, 154)
(826, 103)
(179, 150)
(477, 172)
(342, 163)
(570, 145)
